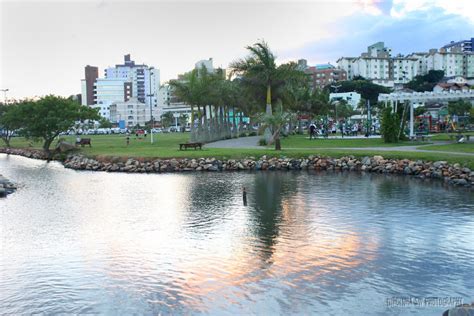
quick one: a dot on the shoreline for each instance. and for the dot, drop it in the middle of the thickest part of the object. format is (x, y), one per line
(453, 174)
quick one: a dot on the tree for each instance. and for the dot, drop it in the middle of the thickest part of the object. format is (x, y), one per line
(459, 108)
(389, 125)
(259, 68)
(104, 123)
(167, 119)
(183, 121)
(47, 117)
(277, 121)
(10, 121)
(426, 82)
(344, 110)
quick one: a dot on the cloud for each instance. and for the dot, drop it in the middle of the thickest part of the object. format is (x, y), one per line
(412, 31)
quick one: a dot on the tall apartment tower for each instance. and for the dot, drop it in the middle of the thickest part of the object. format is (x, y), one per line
(91, 74)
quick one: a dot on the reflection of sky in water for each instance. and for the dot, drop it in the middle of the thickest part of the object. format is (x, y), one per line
(85, 242)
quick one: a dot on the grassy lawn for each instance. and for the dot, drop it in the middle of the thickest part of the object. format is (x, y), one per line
(302, 141)
(464, 148)
(446, 136)
(167, 146)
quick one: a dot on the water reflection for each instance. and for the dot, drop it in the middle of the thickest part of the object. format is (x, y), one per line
(329, 243)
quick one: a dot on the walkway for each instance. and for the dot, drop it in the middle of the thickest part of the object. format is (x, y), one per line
(252, 143)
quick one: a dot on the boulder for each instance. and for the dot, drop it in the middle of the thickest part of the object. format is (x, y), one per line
(64, 147)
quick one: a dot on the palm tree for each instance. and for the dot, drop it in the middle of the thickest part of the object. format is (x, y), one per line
(259, 68)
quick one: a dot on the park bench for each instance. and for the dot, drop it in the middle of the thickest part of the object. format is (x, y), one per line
(457, 137)
(190, 145)
(422, 137)
(84, 141)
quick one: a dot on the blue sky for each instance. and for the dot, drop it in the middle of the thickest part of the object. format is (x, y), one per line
(46, 44)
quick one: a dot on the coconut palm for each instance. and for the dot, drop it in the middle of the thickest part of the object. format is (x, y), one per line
(259, 68)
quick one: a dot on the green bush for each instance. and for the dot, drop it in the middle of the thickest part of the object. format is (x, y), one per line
(262, 142)
(389, 125)
(253, 134)
(242, 135)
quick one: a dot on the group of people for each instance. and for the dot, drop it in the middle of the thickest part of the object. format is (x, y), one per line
(345, 128)
(137, 135)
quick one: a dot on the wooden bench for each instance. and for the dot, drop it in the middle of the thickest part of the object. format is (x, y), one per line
(84, 141)
(190, 145)
(457, 137)
(423, 137)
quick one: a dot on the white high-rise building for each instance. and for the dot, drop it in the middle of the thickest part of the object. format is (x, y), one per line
(120, 84)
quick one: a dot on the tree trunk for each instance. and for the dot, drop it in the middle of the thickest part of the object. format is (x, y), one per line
(234, 124)
(7, 141)
(277, 142)
(46, 145)
(193, 131)
(269, 100)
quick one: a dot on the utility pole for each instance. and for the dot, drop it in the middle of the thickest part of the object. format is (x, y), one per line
(150, 94)
(5, 95)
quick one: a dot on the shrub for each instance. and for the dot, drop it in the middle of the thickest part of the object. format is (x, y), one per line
(389, 125)
(253, 134)
(262, 142)
(242, 135)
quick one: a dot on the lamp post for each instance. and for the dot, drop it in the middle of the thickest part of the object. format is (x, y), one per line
(151, 101)
(5, 94)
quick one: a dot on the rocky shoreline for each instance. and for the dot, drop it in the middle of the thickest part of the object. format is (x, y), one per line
(440, 170)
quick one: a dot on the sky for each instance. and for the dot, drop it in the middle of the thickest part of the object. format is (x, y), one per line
(45, 45)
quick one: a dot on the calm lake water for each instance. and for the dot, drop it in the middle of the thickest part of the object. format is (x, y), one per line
(306, 243)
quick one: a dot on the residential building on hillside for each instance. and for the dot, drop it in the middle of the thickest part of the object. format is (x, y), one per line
(464, 45)
(324, 74)
(380, 67)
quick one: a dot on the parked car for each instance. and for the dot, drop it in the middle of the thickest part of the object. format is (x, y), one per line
(157, 130)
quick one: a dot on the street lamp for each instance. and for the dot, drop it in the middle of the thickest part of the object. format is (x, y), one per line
(151, 111)
(5, 94)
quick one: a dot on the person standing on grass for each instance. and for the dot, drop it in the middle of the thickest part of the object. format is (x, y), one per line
(128, 139)
(312, 130)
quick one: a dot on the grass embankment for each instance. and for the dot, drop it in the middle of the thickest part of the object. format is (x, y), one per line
(167, 146)
(462, 148)
(449, 136)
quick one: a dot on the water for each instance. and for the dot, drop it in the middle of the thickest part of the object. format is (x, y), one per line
(326, 243)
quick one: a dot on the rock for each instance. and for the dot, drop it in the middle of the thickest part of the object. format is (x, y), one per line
(64, 147)
(378, 158)
(213, 168)
(438, 164)
(459, 181)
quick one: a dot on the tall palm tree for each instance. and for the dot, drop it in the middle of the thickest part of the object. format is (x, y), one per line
(259, 68)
